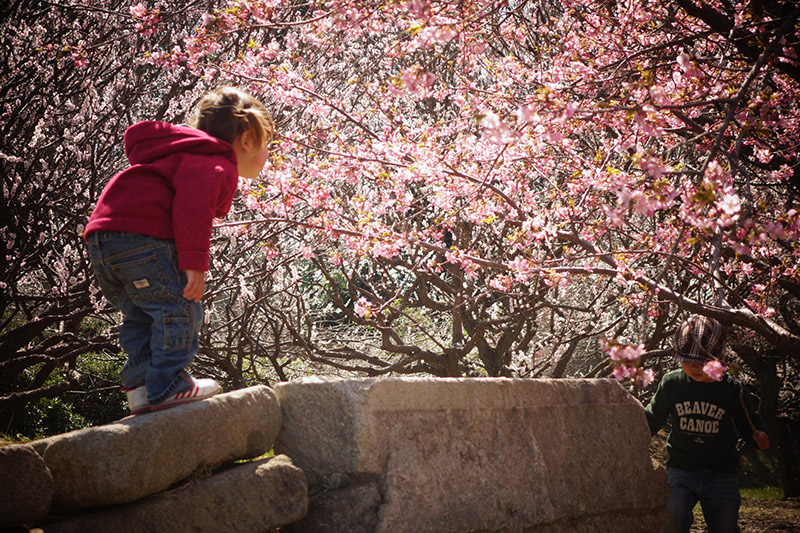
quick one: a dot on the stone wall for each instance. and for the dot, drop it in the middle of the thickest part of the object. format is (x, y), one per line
(372, 455)
(454, 455)
(170, 470)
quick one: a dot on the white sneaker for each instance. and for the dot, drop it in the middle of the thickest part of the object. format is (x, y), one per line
(137, 400)
(201, 389)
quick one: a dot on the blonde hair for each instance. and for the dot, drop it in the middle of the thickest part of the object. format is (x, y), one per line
(228, 112)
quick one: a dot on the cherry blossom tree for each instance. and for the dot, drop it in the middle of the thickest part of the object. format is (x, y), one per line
(478, 183)
(529, 146)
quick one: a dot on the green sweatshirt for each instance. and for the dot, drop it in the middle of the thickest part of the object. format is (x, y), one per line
(707, 420)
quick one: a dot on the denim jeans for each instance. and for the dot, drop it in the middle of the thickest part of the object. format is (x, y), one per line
(717, 492)
(139, 275)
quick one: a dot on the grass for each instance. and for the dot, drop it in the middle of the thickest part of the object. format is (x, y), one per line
(760, 493)
(764, 510)
(763, 493)
(266, 455)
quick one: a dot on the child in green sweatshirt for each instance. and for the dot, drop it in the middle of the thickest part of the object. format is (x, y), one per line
(709, 411)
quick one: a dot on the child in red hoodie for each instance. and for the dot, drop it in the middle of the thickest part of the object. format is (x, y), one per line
(150, 232)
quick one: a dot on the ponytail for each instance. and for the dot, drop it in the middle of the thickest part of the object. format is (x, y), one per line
(228, 112)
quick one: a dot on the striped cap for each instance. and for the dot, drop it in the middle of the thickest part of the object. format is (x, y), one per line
(699, 339)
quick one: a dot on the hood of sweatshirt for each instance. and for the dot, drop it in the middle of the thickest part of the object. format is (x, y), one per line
(149, 141)
(179, 180)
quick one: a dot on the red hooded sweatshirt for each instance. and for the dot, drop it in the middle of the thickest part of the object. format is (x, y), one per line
(179, 180)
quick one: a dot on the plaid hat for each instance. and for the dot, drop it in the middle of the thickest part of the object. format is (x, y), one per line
(699, 339)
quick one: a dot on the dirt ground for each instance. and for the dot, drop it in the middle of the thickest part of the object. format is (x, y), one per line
(762, 516)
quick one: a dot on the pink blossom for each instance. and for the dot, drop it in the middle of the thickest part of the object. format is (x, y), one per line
(659, 95)
(625, 352)
(431, 35)
(730, 204)
(207, 18)
(646, 377)
(776, 230)
(501, 283)
(621, 372)
(783, 173)
(764, 155)
(306, 251)
(688, 67)
(363, 307)
(138, 11)
(417, 81)
(522, 268)
(79, 58)
(714, 369)
(495, 130)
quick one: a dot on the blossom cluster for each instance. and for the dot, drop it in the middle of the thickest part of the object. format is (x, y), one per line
(627, 359)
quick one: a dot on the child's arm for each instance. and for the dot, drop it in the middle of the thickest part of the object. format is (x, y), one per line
(658, 409)
(201, 185)
(760, 437)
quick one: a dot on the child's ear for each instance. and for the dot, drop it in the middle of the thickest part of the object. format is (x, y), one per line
(247, 141)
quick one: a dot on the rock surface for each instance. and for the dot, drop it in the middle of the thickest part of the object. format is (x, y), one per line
(26, 486)
(145, 454)
(254, 497)
(352, 508)
(477, 454)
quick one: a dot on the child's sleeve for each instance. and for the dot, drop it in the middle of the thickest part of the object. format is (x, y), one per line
(197, 187)
(658, 409)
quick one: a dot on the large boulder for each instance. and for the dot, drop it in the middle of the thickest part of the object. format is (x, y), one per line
(145, 454)
(26, 486)
(452, 455)
(254, 497)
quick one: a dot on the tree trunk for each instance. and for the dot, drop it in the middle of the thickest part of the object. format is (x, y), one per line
(788, 450)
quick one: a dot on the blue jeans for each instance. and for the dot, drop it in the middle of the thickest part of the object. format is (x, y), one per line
(717, 492)
(139, 275)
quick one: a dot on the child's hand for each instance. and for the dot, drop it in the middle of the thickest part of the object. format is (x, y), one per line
(195, 286)
(762, 440)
